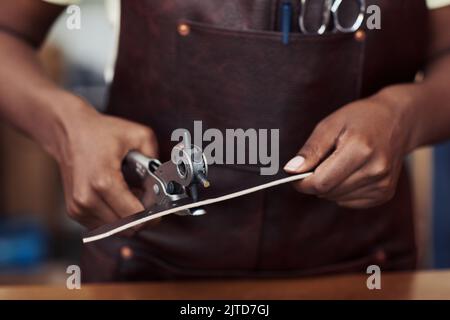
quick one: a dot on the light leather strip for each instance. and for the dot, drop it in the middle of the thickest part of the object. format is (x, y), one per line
(130, 224)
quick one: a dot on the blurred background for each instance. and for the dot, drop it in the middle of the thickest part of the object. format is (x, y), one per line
(38, 241)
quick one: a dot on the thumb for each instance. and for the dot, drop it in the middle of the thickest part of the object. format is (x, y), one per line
(317, 147)
(148, 144)
(149, 148)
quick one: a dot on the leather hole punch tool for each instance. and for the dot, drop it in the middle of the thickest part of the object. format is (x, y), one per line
(171, 188)
(166, 184)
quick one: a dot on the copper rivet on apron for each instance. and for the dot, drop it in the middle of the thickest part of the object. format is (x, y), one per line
(126, 252)
(380, 256)
(184, 29)
(360, 35)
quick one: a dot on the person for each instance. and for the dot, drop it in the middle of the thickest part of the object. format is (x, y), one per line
(348, 101)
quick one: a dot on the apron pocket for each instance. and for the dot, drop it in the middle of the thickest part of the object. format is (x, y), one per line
(248, 79)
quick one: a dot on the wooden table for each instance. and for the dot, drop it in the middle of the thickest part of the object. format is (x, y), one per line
(417, 285)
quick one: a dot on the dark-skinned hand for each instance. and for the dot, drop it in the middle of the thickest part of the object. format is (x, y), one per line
(356, 154)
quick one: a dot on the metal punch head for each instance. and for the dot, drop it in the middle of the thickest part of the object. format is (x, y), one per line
(191, 165)
(192, 169)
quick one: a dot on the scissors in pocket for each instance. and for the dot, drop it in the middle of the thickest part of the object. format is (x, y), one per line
(330, 10)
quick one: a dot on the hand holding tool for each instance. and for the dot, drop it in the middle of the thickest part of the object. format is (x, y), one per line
(171, 187)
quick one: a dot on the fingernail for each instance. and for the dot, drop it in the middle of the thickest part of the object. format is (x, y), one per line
(294, 164)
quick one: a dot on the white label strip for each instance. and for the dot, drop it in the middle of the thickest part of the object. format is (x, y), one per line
(196, 204)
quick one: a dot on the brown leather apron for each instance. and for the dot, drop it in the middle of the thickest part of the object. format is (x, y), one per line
(232, 71)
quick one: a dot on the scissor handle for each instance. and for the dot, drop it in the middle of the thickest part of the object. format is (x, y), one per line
(326, 13)
(331, 8)
(358, 22)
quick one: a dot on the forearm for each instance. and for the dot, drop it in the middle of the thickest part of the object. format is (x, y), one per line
(29, 100)
(88, 147)
(424, 107)
(432, 107)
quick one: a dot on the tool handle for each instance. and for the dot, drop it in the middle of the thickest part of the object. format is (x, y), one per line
(135, 168)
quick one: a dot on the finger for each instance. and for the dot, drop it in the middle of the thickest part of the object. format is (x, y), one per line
(145, 142)
(119, 197)
(359, 179)
(98, 216)
(381, 191)
(86, 206)
(359, 204)
(317, 147)
(92, 214)
(103, 211)
(339, 166)
(369, 191)
(89, 221)
(149, 148)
